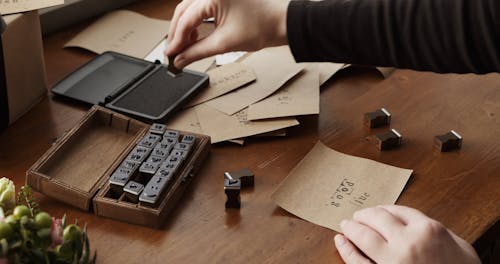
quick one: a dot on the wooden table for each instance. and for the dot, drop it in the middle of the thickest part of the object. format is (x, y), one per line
(461, 189)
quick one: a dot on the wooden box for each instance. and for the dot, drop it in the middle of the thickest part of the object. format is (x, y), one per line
(77, 168)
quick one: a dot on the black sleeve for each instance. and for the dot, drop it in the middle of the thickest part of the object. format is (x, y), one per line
(430, 35)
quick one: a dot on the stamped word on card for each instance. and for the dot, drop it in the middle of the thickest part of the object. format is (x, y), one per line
(222, 127)
(224, 79)
(273, 68)
(124, 32)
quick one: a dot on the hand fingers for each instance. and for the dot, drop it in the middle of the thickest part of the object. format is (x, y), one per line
(366, 239)
(380, 220)
(466, 247)
(201, 49)
(348, 252)
(194, 36)
(406, 214)
(188, 22)
(179, 11)
(192, 39)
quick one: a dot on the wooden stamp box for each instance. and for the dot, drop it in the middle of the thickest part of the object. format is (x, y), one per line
(77, 168)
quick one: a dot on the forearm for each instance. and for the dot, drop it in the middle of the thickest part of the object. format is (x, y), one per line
(432, 35)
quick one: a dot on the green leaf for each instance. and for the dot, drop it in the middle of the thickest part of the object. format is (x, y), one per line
(63, 221)
(86, 247)
(25, 196)
(5, 247)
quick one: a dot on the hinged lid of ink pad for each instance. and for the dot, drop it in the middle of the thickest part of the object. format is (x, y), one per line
(132, 86)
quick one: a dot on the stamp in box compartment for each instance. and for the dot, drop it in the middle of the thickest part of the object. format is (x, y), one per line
(121, 175)
(157, 129)
(166, 173)
(182, 146)
(174, 134)
(138, 154)
(162, 150)
(152, 192)
(149, 140)
(182, 154)
(171, 165)
(151, 165)
(188, 139)
(131, 165)
(169, 140)
(132, 191)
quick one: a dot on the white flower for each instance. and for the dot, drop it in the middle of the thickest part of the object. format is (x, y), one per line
(7, 194)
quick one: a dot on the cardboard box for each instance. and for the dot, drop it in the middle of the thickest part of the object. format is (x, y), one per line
(77, 168)
(22, 68)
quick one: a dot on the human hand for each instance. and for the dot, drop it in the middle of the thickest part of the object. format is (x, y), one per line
(240, 25)
(399, 234)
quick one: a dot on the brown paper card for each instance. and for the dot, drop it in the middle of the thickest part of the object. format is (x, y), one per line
(327, 70)
(18, 6)
(158, 53)
(386, 71)
(239, 141)
(328, 186)
(277, 133)
(201, 65)
(122, 31)
(229, 57)
(223, 80)
(185, 120)
(273, 67)
(221, 127)
(300, 96)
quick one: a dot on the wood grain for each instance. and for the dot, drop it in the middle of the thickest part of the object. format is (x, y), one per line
(460, 189)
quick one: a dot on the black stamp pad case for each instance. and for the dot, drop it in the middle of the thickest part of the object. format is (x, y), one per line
(135, 87)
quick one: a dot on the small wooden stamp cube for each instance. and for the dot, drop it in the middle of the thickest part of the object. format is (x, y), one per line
(149, 167)
(172, 70)
(171, 165)
(132, 191)
(151, 193)
(245, 175)
(174, 134)
(160, 152)
(138, 154)
(378, 118)
(119, 178)
(448, 142)
(157, 129)
(389, 140)
(188, 139)
(150, 140)
(232, 189)
(169, 140)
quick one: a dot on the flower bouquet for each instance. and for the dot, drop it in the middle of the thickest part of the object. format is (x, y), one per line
(28, 235)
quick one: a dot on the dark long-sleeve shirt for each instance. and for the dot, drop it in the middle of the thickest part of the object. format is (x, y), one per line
(430, 35)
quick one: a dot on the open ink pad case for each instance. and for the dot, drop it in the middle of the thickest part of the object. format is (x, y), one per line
(132, 86)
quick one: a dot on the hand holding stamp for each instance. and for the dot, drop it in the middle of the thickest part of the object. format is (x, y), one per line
(172, 70)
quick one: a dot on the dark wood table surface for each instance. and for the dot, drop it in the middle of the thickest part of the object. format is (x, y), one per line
(461, 189)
